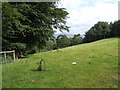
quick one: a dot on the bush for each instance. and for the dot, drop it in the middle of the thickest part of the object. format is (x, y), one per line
(9, 59)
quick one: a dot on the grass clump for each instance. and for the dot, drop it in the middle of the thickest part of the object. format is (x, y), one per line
(41, 66)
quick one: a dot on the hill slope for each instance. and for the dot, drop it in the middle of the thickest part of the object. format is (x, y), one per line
(97, 63)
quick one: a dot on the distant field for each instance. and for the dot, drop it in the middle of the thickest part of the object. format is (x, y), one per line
(97, 67)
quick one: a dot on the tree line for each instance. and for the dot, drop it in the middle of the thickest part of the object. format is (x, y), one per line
(59, 42)
(102, 30)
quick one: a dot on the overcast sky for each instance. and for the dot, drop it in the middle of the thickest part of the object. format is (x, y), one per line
(85, 13)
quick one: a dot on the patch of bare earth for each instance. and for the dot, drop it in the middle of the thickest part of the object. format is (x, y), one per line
(116, 76)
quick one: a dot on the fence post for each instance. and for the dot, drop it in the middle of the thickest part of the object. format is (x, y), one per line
(14, 55)
(5, 58)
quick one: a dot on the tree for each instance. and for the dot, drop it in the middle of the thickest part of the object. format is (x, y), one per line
(31, 23)
(99, 31)
(19, 48)
(62, 41)
(115, 29)
(76, 39)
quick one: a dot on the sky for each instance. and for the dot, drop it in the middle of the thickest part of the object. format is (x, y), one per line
(83, 14)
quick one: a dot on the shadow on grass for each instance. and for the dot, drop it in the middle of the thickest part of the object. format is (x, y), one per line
(34, 70)
(37, 70)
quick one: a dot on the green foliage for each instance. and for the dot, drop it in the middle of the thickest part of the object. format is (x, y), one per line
(49, 45)
(18, 46)
(76, 39)
(103, 30)
(115, 29)
(31, 23)
(19, 49)
(62, 41)
(5, 45)
(9, 59)
(99, 31)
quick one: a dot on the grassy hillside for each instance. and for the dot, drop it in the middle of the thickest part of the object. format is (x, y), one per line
(97, 64)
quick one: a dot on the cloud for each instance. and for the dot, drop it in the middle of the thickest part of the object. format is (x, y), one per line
(85, 13)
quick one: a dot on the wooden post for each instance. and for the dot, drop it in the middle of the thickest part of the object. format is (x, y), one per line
(5, 58)
(14, 55)
(1, 59)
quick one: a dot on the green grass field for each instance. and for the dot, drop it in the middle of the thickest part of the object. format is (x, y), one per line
(97, 63)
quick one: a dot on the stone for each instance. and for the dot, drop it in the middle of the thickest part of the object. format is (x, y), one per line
(74, 63)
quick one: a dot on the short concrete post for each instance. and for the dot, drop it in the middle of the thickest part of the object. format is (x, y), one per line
(5, 58)
(14, 55)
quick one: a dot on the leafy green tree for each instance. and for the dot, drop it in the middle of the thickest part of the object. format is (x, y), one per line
(115, 29)
(99, 31)
(49, 46)
(31, 23)
(19, 48)
(62, 41)
(77, 39)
